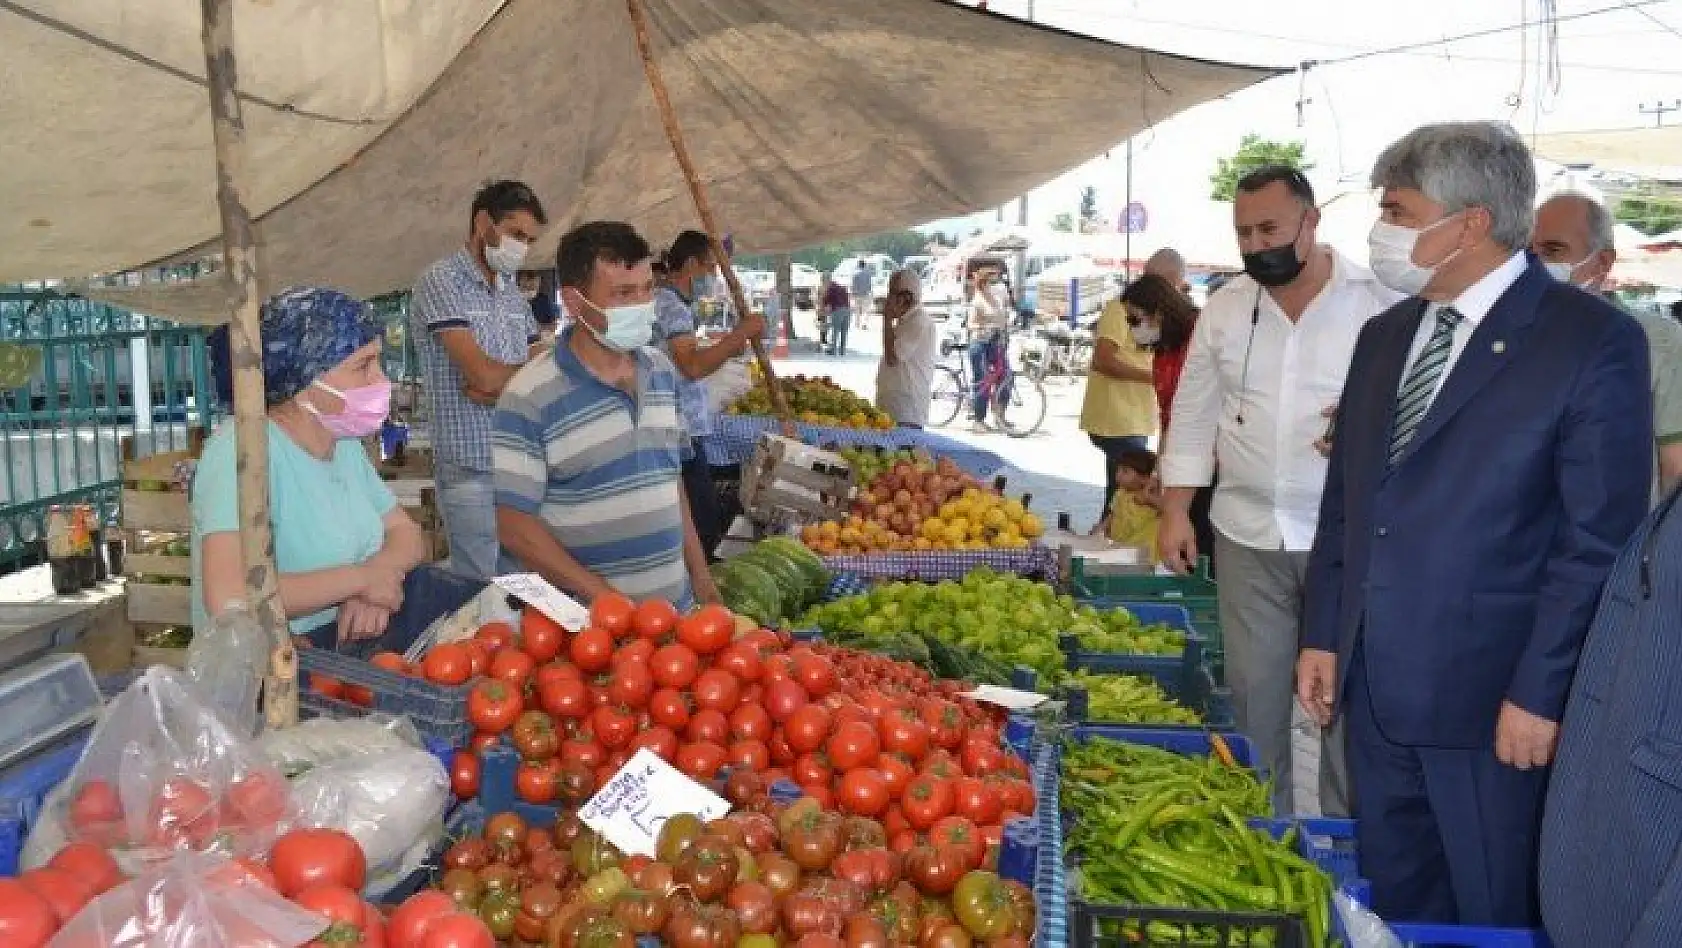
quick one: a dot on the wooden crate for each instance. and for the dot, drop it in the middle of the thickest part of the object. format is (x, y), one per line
(152, 509)
(158, 604)
(786, 482)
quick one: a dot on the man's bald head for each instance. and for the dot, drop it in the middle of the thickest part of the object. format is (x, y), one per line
(1575, 230)
(1168, 264)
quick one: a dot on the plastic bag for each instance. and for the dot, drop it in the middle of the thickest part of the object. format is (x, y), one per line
(162, 772)
(309, 744)
(1363, 929)
(192, 900)
(388, 801)
(491, 605)
(227, 661)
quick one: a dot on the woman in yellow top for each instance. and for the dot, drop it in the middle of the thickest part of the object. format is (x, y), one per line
(1134, 507)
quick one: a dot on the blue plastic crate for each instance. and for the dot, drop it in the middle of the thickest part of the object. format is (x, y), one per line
(314, 705)
(23, 788)
(497, 766)
(1188, 741)
(1327, 842)
(1468, 936)
(1051, 889)
(435, 710)
(1213, 704)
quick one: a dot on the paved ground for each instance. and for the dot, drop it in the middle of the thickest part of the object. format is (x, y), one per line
(1058, 465)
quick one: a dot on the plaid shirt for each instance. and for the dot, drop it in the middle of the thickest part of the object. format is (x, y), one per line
(673, 318)
(453, 294)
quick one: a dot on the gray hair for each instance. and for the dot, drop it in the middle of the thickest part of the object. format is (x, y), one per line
(1595, 216)
(1467, 164)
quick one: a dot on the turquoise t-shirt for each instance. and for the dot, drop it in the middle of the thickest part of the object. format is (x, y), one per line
(324, 513)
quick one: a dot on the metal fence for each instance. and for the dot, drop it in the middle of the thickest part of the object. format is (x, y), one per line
(106, 374)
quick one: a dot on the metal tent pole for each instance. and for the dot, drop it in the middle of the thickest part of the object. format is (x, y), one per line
(239, 260)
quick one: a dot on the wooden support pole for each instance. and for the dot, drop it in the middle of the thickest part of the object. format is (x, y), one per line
(239, 260)
(703, 207)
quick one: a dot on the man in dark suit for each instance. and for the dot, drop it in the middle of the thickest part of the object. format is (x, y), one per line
(1492, 454)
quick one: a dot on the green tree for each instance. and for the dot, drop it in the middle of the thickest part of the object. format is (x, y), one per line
(1253, 152)
(898, 244)
(1064, 222)
(1649, 212)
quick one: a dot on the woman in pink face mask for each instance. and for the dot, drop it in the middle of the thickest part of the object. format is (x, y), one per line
(350, 560)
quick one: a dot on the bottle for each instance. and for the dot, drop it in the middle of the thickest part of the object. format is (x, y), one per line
(61, 558)
(113, 548)
(97, 532)
(81, 545)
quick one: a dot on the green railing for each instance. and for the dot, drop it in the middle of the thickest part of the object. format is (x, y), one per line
(398, 358)
(61, 434)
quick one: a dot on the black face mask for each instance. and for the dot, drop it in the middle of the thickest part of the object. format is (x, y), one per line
(1275, 266)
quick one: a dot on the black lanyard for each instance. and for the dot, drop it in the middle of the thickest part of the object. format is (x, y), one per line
(1250, 343)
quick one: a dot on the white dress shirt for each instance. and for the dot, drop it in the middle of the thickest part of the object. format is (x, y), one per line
(1474, 304)
(1262, 421)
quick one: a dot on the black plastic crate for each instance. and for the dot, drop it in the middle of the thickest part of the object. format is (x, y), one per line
(1142, 926)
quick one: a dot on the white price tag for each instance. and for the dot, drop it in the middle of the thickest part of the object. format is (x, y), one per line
(1007, 698)
(635, 802)
(1115, 556)
(536, 592)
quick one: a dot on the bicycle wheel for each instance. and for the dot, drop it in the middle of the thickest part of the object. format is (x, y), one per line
(947, 395)
(1020, 406)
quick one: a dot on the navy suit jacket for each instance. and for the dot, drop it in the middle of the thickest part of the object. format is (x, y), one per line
(1468, 571)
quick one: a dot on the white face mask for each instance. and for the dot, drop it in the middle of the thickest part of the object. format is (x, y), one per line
(505, 258)
(1391, 252)
(1562, 271)
(1146, 335)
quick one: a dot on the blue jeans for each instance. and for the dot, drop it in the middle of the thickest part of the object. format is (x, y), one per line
(467, 501)
(839, 320)
(429, 592)
(981, 356)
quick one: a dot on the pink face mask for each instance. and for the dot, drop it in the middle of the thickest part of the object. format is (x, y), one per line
(365, 409)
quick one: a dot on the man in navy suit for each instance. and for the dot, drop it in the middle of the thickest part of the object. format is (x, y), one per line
(1492, 454)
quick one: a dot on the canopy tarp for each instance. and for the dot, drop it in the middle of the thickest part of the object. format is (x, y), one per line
(371, 124)
(1655, 150)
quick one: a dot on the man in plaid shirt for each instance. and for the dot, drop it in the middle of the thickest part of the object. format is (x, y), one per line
(473, 328)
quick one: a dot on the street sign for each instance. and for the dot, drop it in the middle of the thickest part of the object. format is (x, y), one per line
(1133, 220)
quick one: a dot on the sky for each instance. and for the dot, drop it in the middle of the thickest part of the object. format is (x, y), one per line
(1610, 58)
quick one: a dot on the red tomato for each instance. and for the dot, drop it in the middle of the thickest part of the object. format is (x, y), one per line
(411, 919)
(781, 753)
(90, 863)
(613, 726)
(853, 744)
(945, 721)
(391, 662)
(96, 812)
(457, 930)
(749, 722)
(478, 658)
(820, 793)
(741, 660)
(305, 857)
(611, 613)
(447, 664)
(707, 629)
(812, 769)
(749, 754)
(326, 686)
(360, 695)
(981, 757)
(717, 690)
(895, 771)
(336, 903)
(808, 727)
(637, 652)
(567, 698)
(668, 706)
(815, 674)
(26, 920)
(862, 791)
(700, 760)
(259, 799)
(535, 782)
(659, 739)
(586, 752)
(926, 801)
(708, 725)
(540, 636)
(631, 685)
(493, 705)
(495, 636)
(62, 891)
(977, 802)
(653, 619)
(513, 667)
(464, 774)
(592, 649)
(482, 742)
(783, 697)
(674, 665)
(962, 835)
(181, 810)
(902, 732)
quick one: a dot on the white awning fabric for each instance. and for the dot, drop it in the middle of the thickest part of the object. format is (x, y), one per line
(372, 123)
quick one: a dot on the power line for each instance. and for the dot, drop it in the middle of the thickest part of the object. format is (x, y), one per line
(1629, 5)
(1673, 31)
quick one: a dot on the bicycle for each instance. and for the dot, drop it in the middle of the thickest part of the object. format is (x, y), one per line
(1014, 399)
(1063, 352)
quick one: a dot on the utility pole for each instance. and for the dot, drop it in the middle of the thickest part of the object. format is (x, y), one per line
(1658, 110)
(1127, 220)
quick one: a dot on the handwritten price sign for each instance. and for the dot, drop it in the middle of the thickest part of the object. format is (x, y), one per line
(535, 591)
(632, 806)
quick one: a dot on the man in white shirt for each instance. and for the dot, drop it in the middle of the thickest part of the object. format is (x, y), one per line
(1265, 369)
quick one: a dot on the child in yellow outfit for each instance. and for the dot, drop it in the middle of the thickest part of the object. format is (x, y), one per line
(1138, 500)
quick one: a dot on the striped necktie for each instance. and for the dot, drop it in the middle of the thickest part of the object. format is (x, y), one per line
(1422, 379)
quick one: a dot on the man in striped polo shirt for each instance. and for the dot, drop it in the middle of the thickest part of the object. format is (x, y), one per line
(587, 439)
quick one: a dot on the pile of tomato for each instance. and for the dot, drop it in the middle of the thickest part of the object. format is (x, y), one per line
(708, 693)
(764, 876)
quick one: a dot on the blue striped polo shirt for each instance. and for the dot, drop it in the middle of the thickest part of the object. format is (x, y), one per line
(600, 467)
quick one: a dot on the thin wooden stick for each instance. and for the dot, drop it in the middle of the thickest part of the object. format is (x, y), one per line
(239, 259)
(703, 207)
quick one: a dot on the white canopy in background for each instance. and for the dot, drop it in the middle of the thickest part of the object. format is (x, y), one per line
(372, 123)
